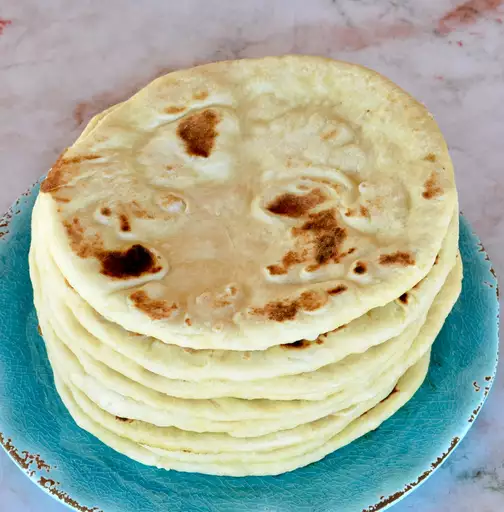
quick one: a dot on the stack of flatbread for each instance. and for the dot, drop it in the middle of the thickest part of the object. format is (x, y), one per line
(243, 267)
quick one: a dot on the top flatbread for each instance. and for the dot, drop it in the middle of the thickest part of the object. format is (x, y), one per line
(245, 204)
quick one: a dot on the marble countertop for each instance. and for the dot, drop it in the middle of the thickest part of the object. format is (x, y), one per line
(61, 62)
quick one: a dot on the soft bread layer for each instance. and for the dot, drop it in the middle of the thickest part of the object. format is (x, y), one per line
(264, 201)
(280, 372)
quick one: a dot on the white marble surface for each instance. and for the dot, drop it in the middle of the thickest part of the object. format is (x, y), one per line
(61, 62)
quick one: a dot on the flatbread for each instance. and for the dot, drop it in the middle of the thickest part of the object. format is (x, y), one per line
(308, 386)
(374, 328)
(251, 203)
(270, 465)
(245, 418)
(125, 398)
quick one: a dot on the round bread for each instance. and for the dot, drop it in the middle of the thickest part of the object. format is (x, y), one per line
(242, 418)
(270, 463)
(245, 204)
(379, 325)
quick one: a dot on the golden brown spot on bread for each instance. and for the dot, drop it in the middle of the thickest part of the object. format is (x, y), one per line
(404, 298)
(300, 344)
(60, 174)
(322, 233)
(436, 261)
(290, 259)
(319, 239)
(349, 212)
(124, 224)
(294, 205)
(174, 110)
(279, 311)
(124, 420)
(61, 199)
(201, 95)
(68, 284)
(321, 221)
(39, 329)
(360, 268)
(432, 188)
(188, 322)
(132, 262)
(106, 211)
(283, 310)
(337, 289)
(155, 309)
(328, 236)
(311, 301)
(364, 211)
(403, 259)
(83, 246)
(276, 270)
(431, 157)
(198, 133)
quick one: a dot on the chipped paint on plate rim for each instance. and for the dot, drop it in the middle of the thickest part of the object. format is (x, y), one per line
(40, 436)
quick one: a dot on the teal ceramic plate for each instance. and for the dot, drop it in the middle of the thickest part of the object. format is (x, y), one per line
(368, 475)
